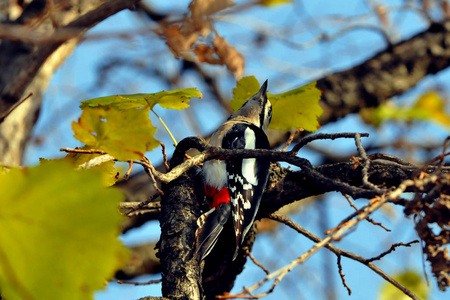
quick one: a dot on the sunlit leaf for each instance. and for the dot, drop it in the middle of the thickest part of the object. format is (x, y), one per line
(298, 108)
(125, 135)
(409, 279)
(274, 2)
(434, 105)
(59, 237)
(245, 88)
(176, 99)
(390, 112)
(106, 169)
(429, 107)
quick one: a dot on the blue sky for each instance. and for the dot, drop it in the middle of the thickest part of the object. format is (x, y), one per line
(286, 68)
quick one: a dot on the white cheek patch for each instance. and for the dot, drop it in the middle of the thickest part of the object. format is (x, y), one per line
(249, 164)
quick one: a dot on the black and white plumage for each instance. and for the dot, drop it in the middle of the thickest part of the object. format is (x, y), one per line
(236, 184)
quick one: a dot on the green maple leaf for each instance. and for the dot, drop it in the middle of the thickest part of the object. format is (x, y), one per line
(124, 134)
(176, 99)
(59, 237)
(298, 108)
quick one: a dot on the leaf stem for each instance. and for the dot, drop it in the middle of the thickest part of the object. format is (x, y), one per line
(167, 129)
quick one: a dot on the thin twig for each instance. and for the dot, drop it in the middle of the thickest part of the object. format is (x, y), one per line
(443, 154)
(150, 172)
(368, 219)
(291, 138)
(149, 203)
(141, 212)
(140, 283)
(130, 168)
(384, 158)
(323, 136)
(366, 166)
(165, 161)
(142, 204)
(12, 108)
(257, 263)
(440, 158)
(341, 273)
(392, 249)
(85, 151)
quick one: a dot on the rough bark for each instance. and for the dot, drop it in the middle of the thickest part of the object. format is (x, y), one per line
(180, 209)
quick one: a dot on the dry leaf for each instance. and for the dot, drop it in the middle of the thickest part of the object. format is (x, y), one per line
(229, 56)
(206, 54)
(179, 41)
(201, 8)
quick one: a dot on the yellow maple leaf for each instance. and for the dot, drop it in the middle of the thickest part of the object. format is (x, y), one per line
(298, 108)
(61, 240)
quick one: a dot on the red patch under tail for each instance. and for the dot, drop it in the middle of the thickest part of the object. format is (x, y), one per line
(215, 197)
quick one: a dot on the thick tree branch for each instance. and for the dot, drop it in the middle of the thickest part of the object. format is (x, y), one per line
(28, 65)
(21, 61)
(389, 73)
(180, 209)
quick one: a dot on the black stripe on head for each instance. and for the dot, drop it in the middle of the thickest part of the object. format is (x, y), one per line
(269, 114)
(262, 113)
(262, 93)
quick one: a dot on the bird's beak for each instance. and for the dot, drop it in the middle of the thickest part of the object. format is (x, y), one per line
(263, 90)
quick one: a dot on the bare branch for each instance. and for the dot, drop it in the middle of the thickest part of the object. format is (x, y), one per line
(340, 252)
(392, 249)
(140, 205)
(324, 136)
(368, 219)
(84, 151)
(130, 168)
(140, 283)
(341, 273)
(279, 274)
(257, 263)
(165, 161)
(150, 170)
(291, 138)
(366, 165)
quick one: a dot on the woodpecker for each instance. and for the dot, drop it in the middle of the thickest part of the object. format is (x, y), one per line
(234, 187)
